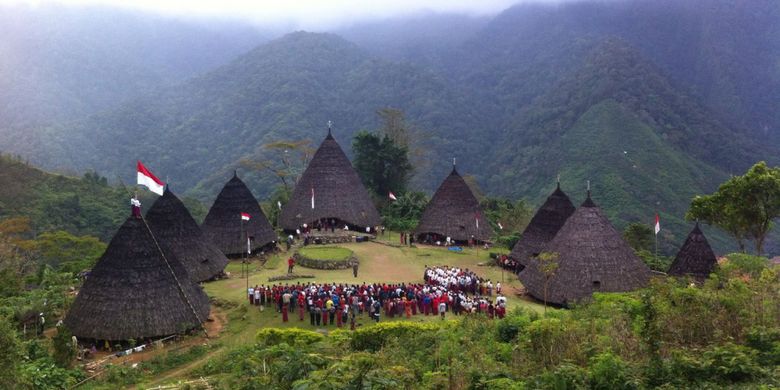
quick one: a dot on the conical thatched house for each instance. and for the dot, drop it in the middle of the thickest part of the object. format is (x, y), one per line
(329, 189)
(179, 234)
(695, 258)
(544, 225)
(453, 212)
(223, 222)
(134, 292)
(592, 257)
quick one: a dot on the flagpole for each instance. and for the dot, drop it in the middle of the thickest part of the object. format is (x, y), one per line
(655, 230)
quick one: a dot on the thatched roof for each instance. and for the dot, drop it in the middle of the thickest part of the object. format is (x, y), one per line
(132, 293)
(543, 226)
(338, 192)
(592, 257)
(223, 222)
(180, 235)
(453, 212)
(695, 258)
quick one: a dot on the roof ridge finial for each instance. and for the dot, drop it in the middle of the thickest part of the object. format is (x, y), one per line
(235, 173)
(559, 181)
(588, 189)
(330, 124)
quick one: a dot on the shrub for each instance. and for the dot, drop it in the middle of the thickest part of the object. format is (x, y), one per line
(565, 377)
(608, 371)
(732, 362)
(767, 342)
(508, 328)
(291, 336)
(374, 337)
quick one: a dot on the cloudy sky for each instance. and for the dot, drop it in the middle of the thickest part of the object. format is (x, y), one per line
(302, 13)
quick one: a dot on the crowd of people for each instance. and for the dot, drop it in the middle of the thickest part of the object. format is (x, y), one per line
(445, 290)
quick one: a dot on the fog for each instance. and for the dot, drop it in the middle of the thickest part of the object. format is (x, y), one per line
(303, 14)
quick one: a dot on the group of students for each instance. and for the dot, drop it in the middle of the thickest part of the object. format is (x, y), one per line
(445, 290)
(508, 263)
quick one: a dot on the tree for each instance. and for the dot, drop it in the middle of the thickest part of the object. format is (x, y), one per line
(639, 236)
(548, 265)
(10, 355)
(289, 160)
(67, 252)
(404, 213)
(744, 206)
(382, 165)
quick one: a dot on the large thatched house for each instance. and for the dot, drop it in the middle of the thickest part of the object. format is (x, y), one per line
(329, 191)
(591, 257)
(179, 234)
(223, 224)
(136, 292)
(695, 258)
(544, 225)
(453, 212)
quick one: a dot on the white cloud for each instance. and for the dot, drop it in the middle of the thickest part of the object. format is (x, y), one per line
(310, 14)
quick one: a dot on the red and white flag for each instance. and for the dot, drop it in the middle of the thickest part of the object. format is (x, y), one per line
(245, 216)
(657, 224)
(312, 198)
(391, 195)
(149, 180)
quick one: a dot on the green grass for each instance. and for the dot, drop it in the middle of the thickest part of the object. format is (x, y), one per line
(325, 253)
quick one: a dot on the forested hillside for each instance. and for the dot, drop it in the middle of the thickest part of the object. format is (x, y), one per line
(653, 101)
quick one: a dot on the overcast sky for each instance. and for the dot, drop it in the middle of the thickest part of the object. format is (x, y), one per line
(316, 14)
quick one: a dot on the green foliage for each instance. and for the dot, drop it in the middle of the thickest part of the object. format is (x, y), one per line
(68, 253)
(639, 236)
(382, 164)
(64, 349)
(513, 216)
(374, 337)
(732, 362)
(608, 372)
(740, 263)
(655, 262)
(744, 206)
(325, 253)
(10, 355)
(404, 213)
(291, 336)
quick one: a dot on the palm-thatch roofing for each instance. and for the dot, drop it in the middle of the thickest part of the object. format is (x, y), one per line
(179, 234)
(223, 224)
(337, 190)
(135, 292)
(454, 212)
(695, 258)
(544, 225)
(592, 257)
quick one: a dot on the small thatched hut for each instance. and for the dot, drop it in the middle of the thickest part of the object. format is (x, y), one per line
(223, 224)
(179, 234)
(134, 292)
(543, 226)
(592, 257)
(329, 190)
(695, 258)
(453, 212)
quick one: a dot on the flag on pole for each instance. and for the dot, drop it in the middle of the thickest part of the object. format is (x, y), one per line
(248, 246)
(500, 226)
(149, 180)
(279, 203)
(245, 216)
(312, 198)
(476, 217)
(657, 224)
(391, 195)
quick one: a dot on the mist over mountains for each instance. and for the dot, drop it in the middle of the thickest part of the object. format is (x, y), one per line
(653, 101)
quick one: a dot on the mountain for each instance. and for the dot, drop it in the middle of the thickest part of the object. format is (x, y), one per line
(287, 89)
(62, 63)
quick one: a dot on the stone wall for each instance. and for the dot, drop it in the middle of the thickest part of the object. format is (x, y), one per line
(306, 262)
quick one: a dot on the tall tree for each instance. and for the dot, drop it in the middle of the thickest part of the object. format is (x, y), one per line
(744, 206)
(285, 159)
(382, 164)
(639, 236)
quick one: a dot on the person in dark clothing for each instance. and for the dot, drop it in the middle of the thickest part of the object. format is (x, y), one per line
(354, 269)
(311, 315)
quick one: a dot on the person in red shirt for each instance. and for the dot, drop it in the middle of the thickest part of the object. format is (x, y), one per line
(301, 305)
(290, 264)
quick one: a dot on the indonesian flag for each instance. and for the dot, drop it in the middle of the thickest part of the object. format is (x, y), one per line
(245, 216)
(657, 224)
(391, 195)
(149, 180)
(312, 198)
